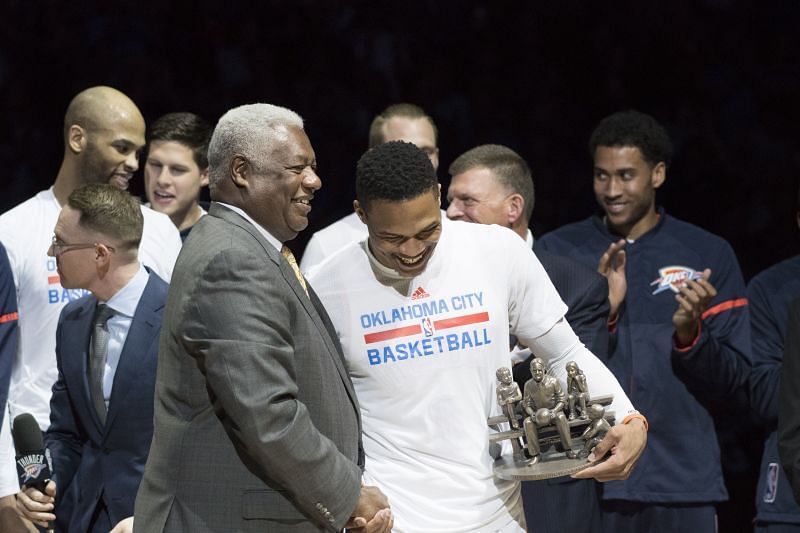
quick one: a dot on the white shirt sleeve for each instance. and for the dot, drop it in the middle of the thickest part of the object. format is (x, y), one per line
(536, 316)
(560, 345)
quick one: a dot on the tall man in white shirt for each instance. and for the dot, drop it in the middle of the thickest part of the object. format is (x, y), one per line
(106, 350)
(423, 308)
(103, 134)
(398, 122)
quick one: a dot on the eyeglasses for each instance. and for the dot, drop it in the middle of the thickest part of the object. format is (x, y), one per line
(60, 247)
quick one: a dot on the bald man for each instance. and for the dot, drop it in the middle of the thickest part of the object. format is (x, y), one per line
(103, 134)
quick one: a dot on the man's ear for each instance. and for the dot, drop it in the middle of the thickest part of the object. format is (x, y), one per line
(435, 159)
(240, 169)
(76, 139)
(204, 178)
(102, 258)
(362, 215)
(659, 175)
(516, 208)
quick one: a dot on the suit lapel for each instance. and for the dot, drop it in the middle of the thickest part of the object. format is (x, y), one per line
(77, 330)
(328, 334)
(141, 335)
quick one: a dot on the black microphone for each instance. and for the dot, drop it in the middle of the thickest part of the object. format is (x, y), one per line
(33, 460)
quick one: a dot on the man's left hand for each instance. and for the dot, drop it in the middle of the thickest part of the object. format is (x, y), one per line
(693, 300)
(623, 444)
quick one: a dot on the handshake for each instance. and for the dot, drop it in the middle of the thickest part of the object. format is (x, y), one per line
(372, 513)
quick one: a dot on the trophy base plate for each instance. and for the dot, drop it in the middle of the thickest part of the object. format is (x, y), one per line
(510, 468)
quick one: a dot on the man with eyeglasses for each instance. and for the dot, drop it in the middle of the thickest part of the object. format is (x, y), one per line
(102, 403)
(103, 134)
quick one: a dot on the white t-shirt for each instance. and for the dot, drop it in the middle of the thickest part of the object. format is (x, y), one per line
(331, 239)
(423, 366)
(26, 231)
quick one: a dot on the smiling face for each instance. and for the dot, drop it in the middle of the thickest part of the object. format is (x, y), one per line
(625, 187)
(403, 234)
(477, 196)
(279, 196)
(173, 181)
(111, 152)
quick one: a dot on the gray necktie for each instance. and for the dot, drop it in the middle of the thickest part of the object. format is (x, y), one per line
(97, 358)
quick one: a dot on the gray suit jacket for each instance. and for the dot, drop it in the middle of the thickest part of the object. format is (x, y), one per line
(257, 427)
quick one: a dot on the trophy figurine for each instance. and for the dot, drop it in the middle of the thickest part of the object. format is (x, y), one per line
(544, 403)
(577, 389)
(596, 430)
(552, 432)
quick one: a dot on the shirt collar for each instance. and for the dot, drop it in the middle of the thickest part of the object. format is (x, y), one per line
(126, 299)
(267, 235)
(529, 239)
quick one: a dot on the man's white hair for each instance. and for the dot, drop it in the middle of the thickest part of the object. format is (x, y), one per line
(251, 131)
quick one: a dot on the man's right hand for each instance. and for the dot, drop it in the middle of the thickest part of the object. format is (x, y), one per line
(612, 266)
(372, 513)
(37, 507)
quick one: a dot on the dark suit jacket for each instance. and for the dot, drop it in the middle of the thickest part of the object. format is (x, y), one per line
(586, 294)
(789, 401)
(91, 460)
(257, 427)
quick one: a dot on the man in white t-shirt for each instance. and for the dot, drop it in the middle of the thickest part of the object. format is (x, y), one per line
(423, 308)
(398, 122)
(103, 134)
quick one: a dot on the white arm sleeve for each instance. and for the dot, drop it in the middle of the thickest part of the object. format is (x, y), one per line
(559, 345)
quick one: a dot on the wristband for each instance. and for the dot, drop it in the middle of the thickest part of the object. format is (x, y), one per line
(634, 416)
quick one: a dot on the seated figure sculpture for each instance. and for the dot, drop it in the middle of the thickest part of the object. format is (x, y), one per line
(508, 394)
(577, 390)
(543, 401)
(593, 434)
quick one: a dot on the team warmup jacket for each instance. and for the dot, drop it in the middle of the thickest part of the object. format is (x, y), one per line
(672, 387)
(770, 294)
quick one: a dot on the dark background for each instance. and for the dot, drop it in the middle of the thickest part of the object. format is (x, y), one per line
(722, 76)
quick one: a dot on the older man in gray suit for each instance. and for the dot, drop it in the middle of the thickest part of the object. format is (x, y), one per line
(257, 427)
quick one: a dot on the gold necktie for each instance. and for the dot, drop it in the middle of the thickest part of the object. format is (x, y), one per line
(287, 253)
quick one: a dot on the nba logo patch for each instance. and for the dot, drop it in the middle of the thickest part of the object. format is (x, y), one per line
(771, 489)
(427, 327)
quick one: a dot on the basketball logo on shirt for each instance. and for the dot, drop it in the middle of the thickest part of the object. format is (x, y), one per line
(427, 327)
(672, 277)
